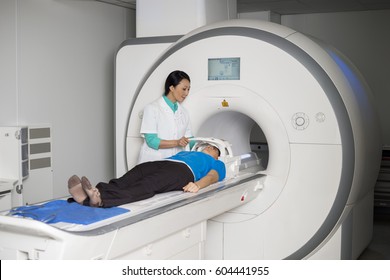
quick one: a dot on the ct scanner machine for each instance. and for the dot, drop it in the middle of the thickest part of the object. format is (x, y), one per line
(311, 199)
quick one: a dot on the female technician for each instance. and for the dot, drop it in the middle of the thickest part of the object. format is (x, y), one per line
(166, 124)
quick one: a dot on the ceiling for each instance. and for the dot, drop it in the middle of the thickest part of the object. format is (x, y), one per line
(288, 7)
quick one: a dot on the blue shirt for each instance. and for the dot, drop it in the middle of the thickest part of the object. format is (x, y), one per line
(201, 163)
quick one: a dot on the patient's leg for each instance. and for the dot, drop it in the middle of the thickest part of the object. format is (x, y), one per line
(76, 190)
(92, 192)
(144, 182)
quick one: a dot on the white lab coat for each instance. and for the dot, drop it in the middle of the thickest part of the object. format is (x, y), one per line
(159, 118)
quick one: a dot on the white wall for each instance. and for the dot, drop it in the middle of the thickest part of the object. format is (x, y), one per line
(8, 97)
(57, 68)
(165, 18)
(261, 15)
(364, 37)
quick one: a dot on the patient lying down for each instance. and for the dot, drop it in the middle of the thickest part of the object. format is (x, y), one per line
(187, 171)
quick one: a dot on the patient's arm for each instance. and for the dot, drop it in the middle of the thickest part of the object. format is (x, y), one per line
(210, 178)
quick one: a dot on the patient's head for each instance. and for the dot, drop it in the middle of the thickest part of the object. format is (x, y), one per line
(212, 151)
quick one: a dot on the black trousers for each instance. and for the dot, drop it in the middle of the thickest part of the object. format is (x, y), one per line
(144, 181)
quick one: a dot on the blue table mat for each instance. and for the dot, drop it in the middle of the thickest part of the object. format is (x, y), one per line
(62, 211)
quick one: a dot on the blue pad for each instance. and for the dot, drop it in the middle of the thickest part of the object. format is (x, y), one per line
(61, 211)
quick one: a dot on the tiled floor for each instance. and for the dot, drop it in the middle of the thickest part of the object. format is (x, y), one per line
(379, 248)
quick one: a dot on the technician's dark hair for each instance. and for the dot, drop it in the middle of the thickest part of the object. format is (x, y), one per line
(174, 78)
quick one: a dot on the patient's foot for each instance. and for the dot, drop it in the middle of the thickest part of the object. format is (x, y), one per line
(92, 192)
(76, 190)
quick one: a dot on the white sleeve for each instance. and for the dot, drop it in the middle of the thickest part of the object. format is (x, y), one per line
(149, 119)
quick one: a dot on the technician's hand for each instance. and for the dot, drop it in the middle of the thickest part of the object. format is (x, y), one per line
(191, 187)
(182, 142)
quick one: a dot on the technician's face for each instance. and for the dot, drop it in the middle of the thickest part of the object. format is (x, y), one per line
(181, 91)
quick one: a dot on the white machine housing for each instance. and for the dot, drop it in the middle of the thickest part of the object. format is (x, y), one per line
(312, 105)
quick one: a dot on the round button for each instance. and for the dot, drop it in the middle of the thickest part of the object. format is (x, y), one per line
(320, 117)
(300, 121)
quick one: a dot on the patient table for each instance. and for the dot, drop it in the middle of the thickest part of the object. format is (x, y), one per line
(169, 225)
